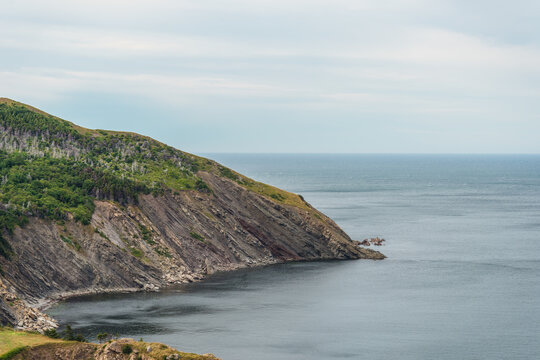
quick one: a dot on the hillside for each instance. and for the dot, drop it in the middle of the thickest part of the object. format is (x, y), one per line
(85, 211)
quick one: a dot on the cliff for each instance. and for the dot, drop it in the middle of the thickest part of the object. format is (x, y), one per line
(85, 211)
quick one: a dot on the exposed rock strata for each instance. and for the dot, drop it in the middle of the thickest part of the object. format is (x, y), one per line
(173, 238)
(202, 218)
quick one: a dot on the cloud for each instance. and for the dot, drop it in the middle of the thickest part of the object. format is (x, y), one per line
(418, 61)
(51, 83)
(415, 45)
(37, 86)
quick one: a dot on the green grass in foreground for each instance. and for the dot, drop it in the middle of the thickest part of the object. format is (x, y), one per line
(12, 342)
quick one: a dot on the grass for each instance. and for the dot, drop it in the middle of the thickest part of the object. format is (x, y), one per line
(196, 236)
(127, 349)
(68, 240)
(146, 234)
(271, 192)
(136, 252)
(100, 233)
(161, 251)
(12, 342)
(13, 352)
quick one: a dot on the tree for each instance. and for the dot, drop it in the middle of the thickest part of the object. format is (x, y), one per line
(102, 337)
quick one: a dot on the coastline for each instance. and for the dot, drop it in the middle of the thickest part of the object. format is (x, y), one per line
(43, 304)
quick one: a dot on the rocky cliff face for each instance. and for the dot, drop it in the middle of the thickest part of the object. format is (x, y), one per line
(161, 239)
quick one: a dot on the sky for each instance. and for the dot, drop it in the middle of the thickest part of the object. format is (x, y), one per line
(284, 76)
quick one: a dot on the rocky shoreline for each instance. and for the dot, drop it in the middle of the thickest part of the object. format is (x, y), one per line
(31, 317)
(27, 316)
(151, 246)
(151, 217)
(21, 315)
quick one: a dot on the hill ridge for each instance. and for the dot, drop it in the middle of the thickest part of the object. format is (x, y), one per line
(106, 211)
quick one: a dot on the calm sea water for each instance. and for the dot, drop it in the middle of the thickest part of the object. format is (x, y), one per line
(462, 278)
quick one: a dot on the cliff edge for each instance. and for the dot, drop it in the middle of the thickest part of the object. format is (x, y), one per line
(89, 211)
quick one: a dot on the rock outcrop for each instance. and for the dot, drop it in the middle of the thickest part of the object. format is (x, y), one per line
(151, 245)
(161, 239)
(377, 241)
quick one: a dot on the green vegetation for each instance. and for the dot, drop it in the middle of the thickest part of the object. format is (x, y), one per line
(13, 342)
(69, 240)
(228, 173)
(161, 251)
(51, 188)
(52, 333)
(277, 196)
(131, 155)
(146, 234)
(100, 233)
(24, 119)
(136, 252)
(121, 155)
(61, 168)
(13, 352)
(268, 191)
(127, 349)
(53, 169)
(69, 335)
(126, 155)
(102, 337)
(196, 236)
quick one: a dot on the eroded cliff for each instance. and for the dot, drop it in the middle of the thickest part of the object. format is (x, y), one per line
(158, 238)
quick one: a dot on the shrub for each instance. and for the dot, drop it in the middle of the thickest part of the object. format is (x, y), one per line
(228, 173)
(163, 252)
(277, 197)
(70, 336)
(79, 338)
(102, 337)
(68, 333)
(196, 236)
(146, 234)
(136, 252)
(52, 333)
(201, 186)
(127, 349)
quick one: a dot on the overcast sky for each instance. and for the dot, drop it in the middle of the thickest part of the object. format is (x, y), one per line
(378, 76)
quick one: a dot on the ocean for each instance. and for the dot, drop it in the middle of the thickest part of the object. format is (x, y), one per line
(461, 281)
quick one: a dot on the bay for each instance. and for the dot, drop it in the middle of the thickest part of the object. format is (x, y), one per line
(461, 281)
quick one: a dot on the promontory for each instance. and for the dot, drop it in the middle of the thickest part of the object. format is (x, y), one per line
(92, 211)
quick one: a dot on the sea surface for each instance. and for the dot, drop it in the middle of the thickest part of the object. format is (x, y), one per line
(461, 281)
